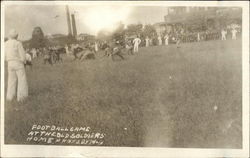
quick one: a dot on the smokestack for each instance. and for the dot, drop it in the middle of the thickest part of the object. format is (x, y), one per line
(74, 25)
(68, 21)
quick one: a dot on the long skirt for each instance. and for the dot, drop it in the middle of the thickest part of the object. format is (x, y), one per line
(17, 81)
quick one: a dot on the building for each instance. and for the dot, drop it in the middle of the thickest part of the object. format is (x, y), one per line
(85, 37)
(198, 18)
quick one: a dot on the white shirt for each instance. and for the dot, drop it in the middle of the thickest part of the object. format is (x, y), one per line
(14, 51)
(223, 32)
(28, 57)
(137, 41)
(234, 32)
(33, 51)
(96, 47)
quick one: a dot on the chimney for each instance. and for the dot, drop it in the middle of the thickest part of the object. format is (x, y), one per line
(68, 21)
(74, 25)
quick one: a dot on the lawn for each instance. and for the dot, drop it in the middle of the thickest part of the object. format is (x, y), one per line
(161, 97)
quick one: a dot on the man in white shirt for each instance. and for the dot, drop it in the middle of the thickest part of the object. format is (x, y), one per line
(34, 53)
(147, 41)
(159, 40)
(28, 57)
(234, 32)
(28, 60)
(67, 49)
(136, 43)
(96, 47)
(16, 58)
(198, 37)
(223, 34)
(166, 37)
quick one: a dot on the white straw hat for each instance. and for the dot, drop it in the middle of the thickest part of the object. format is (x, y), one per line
(13, 33)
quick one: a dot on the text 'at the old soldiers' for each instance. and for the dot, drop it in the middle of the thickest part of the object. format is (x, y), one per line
(51, 134)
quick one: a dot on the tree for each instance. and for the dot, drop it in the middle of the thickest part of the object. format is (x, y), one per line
(104, 34)
(119, 33)
(38, 40)
(149, 31)
(134, 29)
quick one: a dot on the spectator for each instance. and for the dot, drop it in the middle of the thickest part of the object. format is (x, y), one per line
(234, 32)
(147, 41)
(67, 49)
(198, 37)
(96, 47)
(28, 59)
(159, 40)
(34, 53)
(166, 39)
(136, 43)
(223, 34)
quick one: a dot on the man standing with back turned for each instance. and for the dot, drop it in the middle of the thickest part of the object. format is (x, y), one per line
(15, 56)
(136, 43)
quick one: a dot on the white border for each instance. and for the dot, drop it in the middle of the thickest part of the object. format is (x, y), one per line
(69, 151)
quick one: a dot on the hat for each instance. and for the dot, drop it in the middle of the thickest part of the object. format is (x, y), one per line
(13, 33)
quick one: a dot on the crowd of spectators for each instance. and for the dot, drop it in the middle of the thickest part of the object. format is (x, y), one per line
(187, 36)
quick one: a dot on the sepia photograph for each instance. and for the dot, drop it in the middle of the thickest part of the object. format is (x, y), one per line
(118, 74)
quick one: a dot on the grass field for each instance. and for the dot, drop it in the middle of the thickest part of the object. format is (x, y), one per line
(165, 97)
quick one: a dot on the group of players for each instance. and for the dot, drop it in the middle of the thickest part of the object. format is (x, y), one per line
(111, 48)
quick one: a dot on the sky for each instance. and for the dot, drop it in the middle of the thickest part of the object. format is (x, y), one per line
(89, 19)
